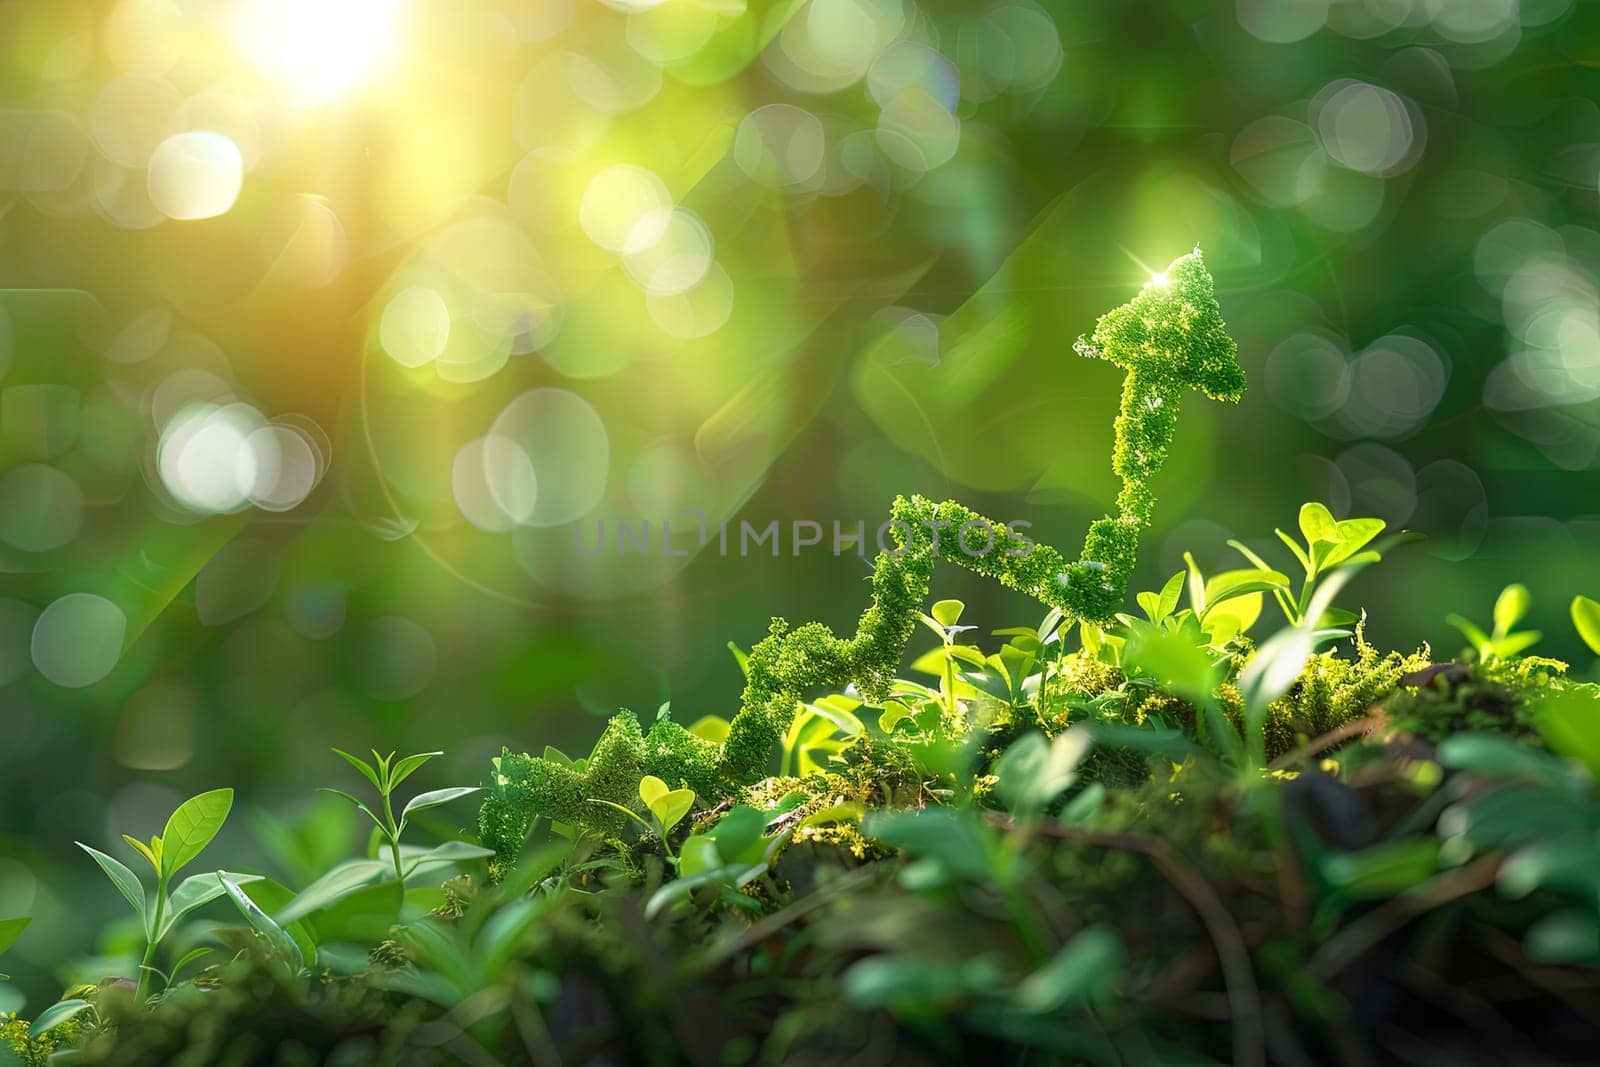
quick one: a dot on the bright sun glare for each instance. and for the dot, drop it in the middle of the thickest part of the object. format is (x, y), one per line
(315, 50)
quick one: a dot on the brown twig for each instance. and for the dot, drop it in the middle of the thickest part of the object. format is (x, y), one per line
(1564, 984)
(764, 928)
(1356, 727)
(1349, 944)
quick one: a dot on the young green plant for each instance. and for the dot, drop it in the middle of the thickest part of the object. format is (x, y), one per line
(1503, 641)
(667, 807)
(187, 833)
(386, 773)
(1331, 546)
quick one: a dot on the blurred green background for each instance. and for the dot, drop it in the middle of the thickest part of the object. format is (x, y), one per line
(325, 327)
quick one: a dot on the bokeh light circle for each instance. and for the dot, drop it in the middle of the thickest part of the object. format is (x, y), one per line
(780, 146)
(1308, 375)
(41, 508)
(677, 260)
(195, 175)
(1365, 128)
(277, 467)
(625, 208)
(566, 447)
(77, 640)
(415, 326)
(1281, 21)
(698, 311)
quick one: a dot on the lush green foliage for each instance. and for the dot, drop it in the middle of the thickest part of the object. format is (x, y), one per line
(1170, 338)
(1020, 855)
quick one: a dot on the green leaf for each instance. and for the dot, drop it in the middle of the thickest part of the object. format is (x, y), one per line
(1178, 663)
(1294, 546)
(846, 812)
(333, 886)
(536, 863)
(915, 984)
(712, 728)
(360, 917)
(1510, 607)
(683, 886)
(1150, 604)
(1233, 616)
(738, 834)
(1511, 644)
(1084, 806)
(1569, 935)
(1197, 584)
(436, 797)
(11, 929)
(1170, 592)
(147, 851)
(126, 881)
(1501, 757)
(1586, 617)
(894, 712)
(1033, 772)
(1318, 524)
(192, 892)
(55, 1015)
(1274, 666)
(1382, 870)
(1567, 864)
(198, 952)
(947, 612)
(652, 789)
(1230, 584)
(668, 807)
(1569, 722)
(503, 933)
(698, 855)
(192, 827)
(447, 854)
(1475, 637)
(366, 769)
(276, 937)
(947, 836)
(1353, 535)
(357, 801)
(409, 766)
(1086, 967)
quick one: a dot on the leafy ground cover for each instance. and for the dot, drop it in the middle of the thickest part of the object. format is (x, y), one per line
(1146, 840)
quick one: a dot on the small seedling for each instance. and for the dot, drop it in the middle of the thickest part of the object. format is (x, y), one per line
(386, 773)
(667, 807)
(1503, 642)
(187, 833)
(1331, 546)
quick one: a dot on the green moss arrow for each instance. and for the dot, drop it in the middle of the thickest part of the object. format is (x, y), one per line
(1169, 339)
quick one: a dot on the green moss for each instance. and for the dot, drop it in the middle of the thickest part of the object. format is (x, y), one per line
(1332, 691)
(1498, 697)
(36, 1051)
